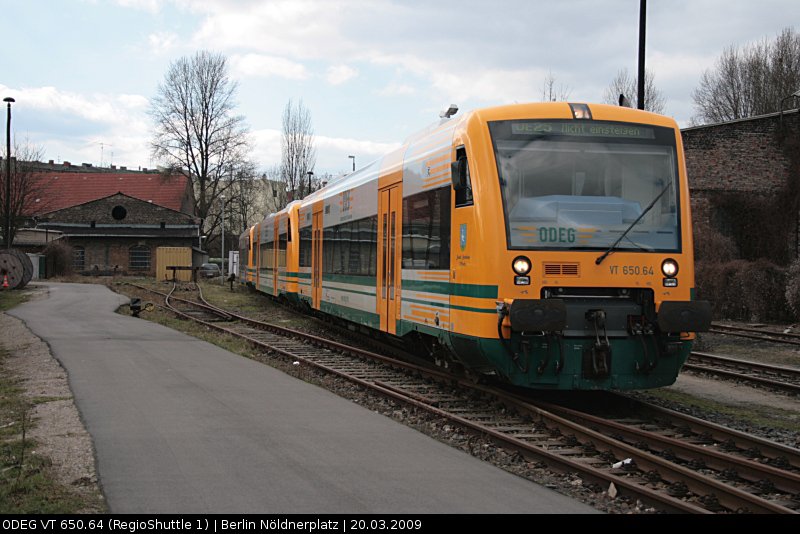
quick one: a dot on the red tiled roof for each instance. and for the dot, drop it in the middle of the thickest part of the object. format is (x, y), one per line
(59, 190)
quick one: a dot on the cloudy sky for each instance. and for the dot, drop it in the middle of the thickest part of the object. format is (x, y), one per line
(371, 72)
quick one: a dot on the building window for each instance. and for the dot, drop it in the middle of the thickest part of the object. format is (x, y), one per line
(119, 212)
(139, 258)
(78, 258)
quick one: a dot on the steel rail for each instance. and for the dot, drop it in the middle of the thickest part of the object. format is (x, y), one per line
(752, 333)
(749, 470)
(714, 364)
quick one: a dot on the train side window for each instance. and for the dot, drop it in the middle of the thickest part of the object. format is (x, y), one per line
(462, 185)
(426, 230)
(351, 248)
(305, 246)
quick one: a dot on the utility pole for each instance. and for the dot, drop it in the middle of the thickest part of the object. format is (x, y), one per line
(8, 100)
(642, 25)
(223, 239)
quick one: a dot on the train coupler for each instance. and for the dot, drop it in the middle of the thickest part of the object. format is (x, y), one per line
(597, 359)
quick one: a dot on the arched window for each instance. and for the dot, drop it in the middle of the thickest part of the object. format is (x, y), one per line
(139, 258)
(78, 259)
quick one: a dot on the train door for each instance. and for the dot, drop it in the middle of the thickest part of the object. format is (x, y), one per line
(256, 253)
(276, 254)
(316, 258)
(389, 242)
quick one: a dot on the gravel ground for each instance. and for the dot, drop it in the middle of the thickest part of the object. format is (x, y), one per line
(62, 437)
(57, 428)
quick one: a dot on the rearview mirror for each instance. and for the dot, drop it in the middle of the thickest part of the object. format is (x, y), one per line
(459, 171)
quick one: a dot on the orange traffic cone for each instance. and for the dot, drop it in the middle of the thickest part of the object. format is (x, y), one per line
(5, 281)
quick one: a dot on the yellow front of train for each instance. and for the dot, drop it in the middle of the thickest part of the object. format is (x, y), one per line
(572, 261)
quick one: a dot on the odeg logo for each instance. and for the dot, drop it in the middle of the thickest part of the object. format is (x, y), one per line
(20, 524)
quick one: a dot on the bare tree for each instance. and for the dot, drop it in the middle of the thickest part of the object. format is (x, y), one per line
(246, 200)
(298, 153)
(197, 132)
(28, 193)
(275, 194)
(749, 81)
(551, 93)
(626, 84)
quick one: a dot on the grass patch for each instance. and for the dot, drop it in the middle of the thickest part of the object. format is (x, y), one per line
(27, 484)
(764, 416)
(13, 297)
(167, 319)
(240, 299)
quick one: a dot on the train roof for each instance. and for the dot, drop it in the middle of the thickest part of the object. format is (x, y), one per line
(552, 110)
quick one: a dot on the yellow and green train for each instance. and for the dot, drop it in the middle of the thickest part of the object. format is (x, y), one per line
(547, 244)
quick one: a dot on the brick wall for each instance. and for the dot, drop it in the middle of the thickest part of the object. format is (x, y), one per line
(745, 156)
(112, 255)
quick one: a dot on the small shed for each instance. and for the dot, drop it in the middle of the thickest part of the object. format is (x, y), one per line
(178, 257)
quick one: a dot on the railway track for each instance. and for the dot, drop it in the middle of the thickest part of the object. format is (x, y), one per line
(775, 377)
(667, 465)
(754, 333)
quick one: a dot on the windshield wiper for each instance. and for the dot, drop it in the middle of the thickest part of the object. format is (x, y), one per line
(605, 254)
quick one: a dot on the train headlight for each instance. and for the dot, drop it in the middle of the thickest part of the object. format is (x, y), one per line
(669, 267)
(521, 265)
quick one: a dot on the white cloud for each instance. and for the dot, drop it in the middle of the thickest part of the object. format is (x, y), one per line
(339, 74)
(117, 121)
(266, 146)
(101, 108)
(290, 28)
(262, 66)
(457, 81)
(332, 152)
(162, 42)
(151, 6)
(397, 89)
(350, 146)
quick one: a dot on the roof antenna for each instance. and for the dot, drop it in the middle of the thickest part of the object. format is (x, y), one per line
(449, 112)
(624, 102)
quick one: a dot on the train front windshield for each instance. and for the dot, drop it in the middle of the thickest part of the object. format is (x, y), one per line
(573, 184)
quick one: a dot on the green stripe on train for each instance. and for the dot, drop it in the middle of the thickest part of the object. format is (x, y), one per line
(370, 281)
(448, 288)
(450, 306)
(370, 319)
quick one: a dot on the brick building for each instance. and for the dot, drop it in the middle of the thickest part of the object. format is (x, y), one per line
(114, 220)
(120, 234)
(744, 178)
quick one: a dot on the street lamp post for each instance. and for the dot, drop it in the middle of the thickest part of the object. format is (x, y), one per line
(310, 174)
(223, 239)
(354, 162)
(8, 100)
(796, 94)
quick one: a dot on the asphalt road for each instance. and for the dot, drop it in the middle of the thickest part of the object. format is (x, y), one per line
(182, 426)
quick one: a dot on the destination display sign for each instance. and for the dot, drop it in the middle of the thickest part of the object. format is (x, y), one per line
(582, 129)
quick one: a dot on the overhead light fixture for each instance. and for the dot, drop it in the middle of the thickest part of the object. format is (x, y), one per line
(581, 111)
(449, 112)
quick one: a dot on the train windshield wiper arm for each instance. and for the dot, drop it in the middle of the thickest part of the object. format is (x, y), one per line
(605, 254)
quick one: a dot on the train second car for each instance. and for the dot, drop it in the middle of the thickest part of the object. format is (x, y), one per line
(546, 244)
